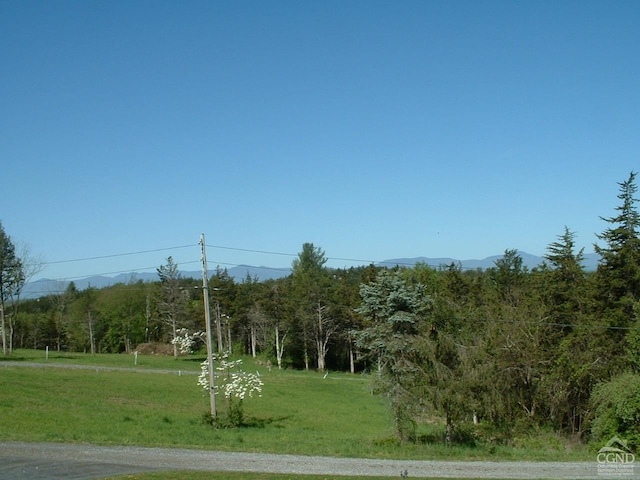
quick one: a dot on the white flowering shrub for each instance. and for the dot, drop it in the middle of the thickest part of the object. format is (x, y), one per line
(186, 341)
(234, 383)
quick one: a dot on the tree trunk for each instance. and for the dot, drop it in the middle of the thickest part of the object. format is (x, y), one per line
(305, 352)
(253, 340)
(321, 356)
(147, 317)
(352, 362)
(175, 333)
(4, 335)
(219, 328)
(279, 346)
(323, 332)
(11, 333)
(92, 341)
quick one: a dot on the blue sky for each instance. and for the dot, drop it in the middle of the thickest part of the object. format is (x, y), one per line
(374, 129)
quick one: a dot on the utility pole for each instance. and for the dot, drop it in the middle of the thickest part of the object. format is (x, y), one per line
(207, 319)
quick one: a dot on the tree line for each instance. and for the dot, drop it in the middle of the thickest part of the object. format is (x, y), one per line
(489, 351)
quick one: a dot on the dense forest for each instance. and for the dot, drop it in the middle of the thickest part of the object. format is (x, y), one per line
(488, 351)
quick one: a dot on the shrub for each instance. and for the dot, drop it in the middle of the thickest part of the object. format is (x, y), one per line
(616, 405)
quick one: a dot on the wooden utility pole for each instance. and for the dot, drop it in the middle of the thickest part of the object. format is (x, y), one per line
(207, 319)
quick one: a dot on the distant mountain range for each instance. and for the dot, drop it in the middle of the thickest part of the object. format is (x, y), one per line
(46, 286)
(590, 262)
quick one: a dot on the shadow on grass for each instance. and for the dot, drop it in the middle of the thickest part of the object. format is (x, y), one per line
(253, 422)
(12, 359)
(249, 422)
(192, 359)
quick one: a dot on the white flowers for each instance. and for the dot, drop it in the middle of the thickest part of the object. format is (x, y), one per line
(185, 340)
(236, 383)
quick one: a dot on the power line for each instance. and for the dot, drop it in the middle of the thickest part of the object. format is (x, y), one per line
(236, 249)
(357, 260)
(248, 250)
(221, 247)
(113, 255)
(129, 270)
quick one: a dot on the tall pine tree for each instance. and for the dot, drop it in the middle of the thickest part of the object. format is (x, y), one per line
(618, 275)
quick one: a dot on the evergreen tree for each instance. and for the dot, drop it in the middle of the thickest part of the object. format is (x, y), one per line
(310, 282)
(394, 338)
(618, 274)
(564, 295)
(507, 276)
(567, 279)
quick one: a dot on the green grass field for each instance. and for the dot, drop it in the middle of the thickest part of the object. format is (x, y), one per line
(299, 412)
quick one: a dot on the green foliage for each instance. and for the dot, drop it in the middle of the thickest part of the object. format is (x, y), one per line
(233, 417)
(633, 342)
(619, 272)
(507, 276)
(617, 410)
(395, 339)
(11, 281)
(313, 319)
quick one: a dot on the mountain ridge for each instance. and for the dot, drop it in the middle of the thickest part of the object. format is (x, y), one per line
(46, 286)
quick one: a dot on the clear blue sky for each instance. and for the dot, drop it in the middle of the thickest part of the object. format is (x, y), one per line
(374, 129)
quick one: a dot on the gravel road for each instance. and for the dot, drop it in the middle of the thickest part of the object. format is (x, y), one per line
(49, 461)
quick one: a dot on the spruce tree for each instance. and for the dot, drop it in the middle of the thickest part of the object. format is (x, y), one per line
(566, 287)
(618, 274)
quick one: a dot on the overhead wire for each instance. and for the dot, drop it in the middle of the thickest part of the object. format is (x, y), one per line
(236, 249)
(221, 247)
(266, 252)
(342, 259)
(113, 255)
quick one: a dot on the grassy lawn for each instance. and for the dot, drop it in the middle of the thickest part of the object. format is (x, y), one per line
(299, 412)
(145, 362)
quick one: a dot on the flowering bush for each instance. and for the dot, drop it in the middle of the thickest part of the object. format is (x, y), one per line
(186, 341)
(234, 383)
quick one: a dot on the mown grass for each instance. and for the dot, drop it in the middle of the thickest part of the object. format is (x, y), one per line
(299, 412)
(189, 363)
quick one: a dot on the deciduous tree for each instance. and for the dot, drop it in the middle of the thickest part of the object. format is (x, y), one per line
(171, 297)
(11, 280)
